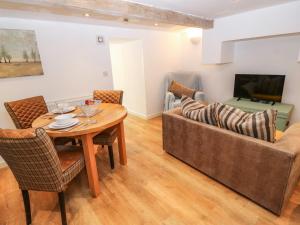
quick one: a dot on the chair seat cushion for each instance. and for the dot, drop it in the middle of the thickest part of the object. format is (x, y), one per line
(107, 137)
(71, 159)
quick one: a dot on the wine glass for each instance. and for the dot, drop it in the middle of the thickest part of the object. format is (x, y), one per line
(88, 111)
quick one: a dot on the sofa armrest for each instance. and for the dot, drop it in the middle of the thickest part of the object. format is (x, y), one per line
(199, 96)
(169, 100)
(175, 111)
(290, 142)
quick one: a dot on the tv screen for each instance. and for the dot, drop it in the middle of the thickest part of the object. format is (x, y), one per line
(259, 87)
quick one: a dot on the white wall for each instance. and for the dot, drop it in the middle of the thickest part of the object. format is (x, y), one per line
(128, 74)
(270, 21)
(74, 63)
(273, 55)
(159, 60)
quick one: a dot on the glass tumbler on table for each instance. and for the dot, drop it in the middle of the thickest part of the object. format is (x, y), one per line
(88, 111)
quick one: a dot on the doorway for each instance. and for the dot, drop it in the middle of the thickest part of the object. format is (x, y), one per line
(127, 62)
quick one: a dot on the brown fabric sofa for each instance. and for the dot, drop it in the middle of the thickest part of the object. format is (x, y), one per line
(264, 172)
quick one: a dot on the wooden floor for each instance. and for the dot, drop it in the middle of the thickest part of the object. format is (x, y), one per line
(154, 188)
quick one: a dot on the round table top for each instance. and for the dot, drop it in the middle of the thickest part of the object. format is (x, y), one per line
(109, 115)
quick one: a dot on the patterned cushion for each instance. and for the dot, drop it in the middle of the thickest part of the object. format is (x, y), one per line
(259, 125)
(109, 96)
(24, 112)
(180, 90)
(198, 111)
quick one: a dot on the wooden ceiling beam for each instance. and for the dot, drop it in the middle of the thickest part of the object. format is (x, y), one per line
(108, 10)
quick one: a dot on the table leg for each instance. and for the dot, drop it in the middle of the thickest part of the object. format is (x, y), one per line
(121, 144)
(90, 163)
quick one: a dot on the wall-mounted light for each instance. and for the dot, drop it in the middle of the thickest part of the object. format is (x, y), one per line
(194, 34)
(87, 15)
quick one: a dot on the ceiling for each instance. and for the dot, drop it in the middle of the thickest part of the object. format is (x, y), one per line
(211, 9)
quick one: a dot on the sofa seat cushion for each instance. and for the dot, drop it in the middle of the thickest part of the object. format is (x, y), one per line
(259, 125)
(179, 90)
(177, 103)
(198, 111)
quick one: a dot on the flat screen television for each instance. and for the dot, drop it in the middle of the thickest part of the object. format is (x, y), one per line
(259, 87)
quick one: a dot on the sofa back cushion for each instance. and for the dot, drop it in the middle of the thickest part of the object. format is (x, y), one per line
(259, 125)
(198, 111)
(179, 90)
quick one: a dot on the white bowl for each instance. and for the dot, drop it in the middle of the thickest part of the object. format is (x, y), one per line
(65, 118)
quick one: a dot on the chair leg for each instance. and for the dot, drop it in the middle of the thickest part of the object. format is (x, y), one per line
(61, 197)
(111, 156)
(74, 142)
(26, 201)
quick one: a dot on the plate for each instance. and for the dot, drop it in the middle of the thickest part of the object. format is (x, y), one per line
(66, 110)
(56, 126)
(65, 117)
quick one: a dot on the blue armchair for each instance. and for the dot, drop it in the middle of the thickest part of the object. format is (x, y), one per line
(188, 79)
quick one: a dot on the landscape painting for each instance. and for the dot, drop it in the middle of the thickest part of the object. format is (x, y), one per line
(19, 54)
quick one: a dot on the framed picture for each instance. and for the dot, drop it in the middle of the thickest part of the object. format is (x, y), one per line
(19, 54)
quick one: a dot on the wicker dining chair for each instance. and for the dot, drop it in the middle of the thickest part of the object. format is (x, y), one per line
(108, 136)
(23, 112)
(39, 166)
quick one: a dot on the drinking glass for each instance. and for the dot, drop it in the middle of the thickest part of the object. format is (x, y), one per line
(60, 107)
(88, 111)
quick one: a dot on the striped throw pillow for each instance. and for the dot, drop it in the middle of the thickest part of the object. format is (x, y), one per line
(198, 111)
(259, 125)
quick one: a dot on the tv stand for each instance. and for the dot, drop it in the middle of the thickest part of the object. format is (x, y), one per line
(257, 100)
(284, 110)
(254, 100)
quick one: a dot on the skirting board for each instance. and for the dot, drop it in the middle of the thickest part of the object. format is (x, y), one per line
(145, 117)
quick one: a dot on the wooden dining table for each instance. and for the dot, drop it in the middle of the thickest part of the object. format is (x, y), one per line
(108, 115)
